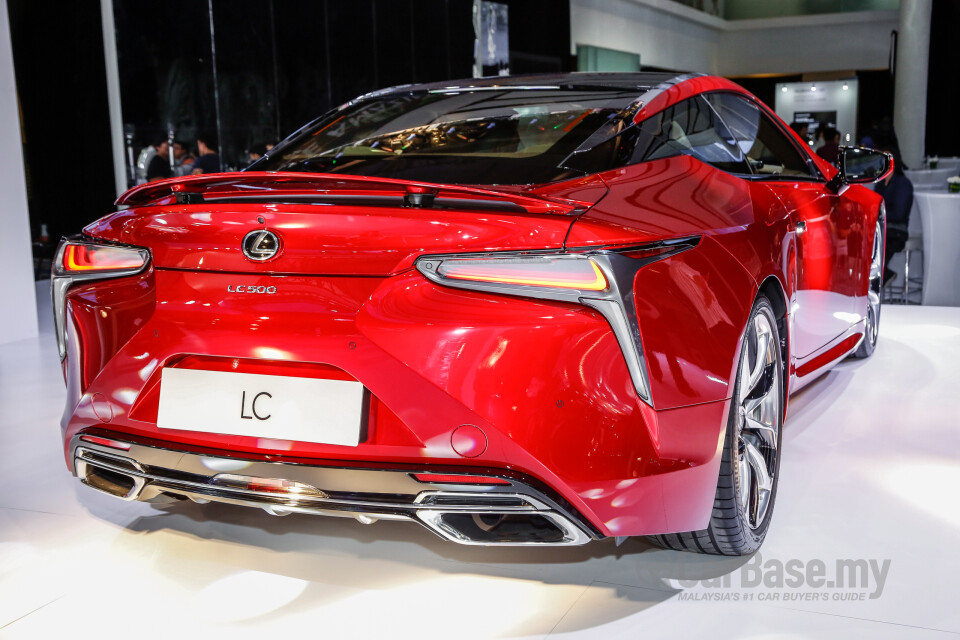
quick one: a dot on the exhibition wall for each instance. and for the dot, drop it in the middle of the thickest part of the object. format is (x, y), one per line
(62, 91)
(668, 35)
(665, 34)
(19, 317)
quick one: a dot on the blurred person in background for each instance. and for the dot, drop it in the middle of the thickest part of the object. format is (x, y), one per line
(897, 192)
(159, 166)
(818, 139)
(208, 160)
(867, 138)
(182, 159)
(885, 138)
(830, 151)
(143, 161)
(802, 129)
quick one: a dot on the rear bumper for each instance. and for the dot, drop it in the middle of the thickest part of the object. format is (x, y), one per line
(542, 386)
(478, 512)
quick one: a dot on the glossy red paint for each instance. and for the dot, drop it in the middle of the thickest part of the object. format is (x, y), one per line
(415, 345)
(821, 274)
(106, 317)
(686, 89)
(256, 186)
(652, 200)
(544, 383)
(829, 356)
(321, 240)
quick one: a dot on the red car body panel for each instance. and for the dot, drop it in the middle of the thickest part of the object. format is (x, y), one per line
(545, 381)
(483, 376)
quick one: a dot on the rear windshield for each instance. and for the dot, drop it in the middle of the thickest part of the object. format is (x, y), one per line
(499, 136)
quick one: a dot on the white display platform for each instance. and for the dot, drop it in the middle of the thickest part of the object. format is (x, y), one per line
(929, 179)
(949, 163)
(940, 216)
(870, 472)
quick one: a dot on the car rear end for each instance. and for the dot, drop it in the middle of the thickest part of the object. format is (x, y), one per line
(378, 349)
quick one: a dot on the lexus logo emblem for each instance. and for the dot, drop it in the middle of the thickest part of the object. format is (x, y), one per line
(260, 245)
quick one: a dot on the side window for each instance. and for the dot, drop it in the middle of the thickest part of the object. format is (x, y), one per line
(692, 128)
(769, 150)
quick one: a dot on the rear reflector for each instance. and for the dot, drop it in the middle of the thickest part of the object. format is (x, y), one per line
(267, 485)
(106, 442)
(457, 479)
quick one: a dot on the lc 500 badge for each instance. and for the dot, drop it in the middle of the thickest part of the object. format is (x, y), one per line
(246, 288)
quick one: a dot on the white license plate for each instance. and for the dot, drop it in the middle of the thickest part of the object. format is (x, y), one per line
(259, 406)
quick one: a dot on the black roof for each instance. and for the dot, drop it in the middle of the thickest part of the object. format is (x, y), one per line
(639, 81)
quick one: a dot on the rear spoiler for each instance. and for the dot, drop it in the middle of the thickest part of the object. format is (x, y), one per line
(319, 188)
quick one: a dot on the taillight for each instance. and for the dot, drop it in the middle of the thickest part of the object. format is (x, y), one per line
(78, 260)
(568, 272)
(268, 485)
(599, 278)
(92, 257)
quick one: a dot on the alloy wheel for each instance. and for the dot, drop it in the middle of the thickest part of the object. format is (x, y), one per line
(876, 284)
(759, 418)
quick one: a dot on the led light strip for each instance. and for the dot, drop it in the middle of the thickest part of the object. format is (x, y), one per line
(579, 274)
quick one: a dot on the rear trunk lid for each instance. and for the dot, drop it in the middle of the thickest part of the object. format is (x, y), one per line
(337, 225)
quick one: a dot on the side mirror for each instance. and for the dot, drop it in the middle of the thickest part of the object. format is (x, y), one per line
(859, 165)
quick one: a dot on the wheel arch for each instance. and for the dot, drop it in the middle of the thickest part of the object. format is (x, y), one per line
(772, 288)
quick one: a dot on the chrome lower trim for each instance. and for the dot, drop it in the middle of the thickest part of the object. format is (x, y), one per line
(630, 345)
(149, 473)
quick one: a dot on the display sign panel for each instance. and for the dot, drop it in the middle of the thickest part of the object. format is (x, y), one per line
(814, 102)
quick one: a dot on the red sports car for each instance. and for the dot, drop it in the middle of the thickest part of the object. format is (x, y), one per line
(519, 310)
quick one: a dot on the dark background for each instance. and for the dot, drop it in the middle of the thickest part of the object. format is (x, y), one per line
(65, 123)
(943, 101)
(281, 63)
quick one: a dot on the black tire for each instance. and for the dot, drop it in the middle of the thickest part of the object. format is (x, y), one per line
(875, 296)
(730, 531)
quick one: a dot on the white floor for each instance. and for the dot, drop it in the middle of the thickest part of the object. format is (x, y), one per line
(871, 471)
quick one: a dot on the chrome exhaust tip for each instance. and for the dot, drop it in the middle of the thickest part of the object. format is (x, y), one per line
(110, 477)
(496, 519)
(508, 528)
